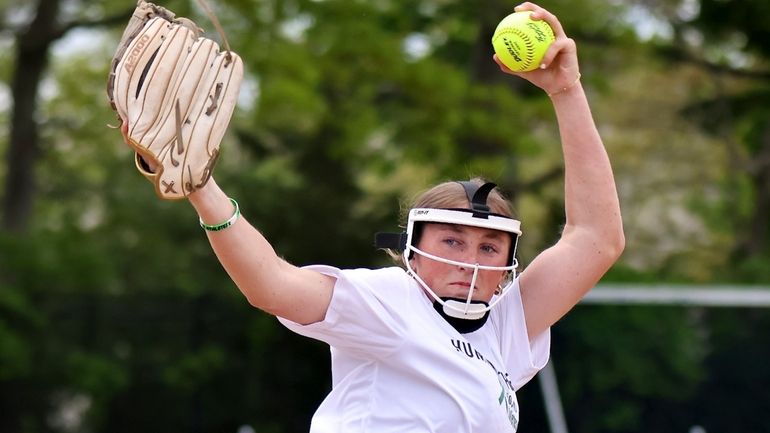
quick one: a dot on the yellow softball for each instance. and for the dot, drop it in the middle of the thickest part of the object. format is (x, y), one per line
(521, 42)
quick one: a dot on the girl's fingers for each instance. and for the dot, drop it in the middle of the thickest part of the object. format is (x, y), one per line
(526, 6)
(539, 13)
(559, 46)
(502, 66)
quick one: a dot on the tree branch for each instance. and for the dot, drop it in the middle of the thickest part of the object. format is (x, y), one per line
(106, 21)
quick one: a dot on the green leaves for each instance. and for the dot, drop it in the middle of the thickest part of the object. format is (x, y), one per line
(350, 108)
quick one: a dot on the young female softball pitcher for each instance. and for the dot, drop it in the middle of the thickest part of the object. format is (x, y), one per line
(442, 344)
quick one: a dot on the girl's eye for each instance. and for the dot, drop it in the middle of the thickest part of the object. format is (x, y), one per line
(489, 249)
(451, 242)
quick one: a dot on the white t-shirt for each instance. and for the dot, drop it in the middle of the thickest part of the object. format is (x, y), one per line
(397, 366)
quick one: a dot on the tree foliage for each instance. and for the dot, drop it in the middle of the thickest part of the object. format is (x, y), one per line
(115, 315)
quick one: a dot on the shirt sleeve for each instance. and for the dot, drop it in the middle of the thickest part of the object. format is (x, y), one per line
(363, 315)
(524, 357)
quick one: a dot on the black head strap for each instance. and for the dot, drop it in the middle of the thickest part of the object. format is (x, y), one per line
(477, 195)
(393, 241)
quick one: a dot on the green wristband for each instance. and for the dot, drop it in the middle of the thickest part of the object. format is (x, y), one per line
(226, 224)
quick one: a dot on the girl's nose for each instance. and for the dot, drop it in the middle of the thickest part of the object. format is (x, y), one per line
(468, 260)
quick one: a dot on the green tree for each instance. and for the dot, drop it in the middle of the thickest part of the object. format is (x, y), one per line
(113, 306)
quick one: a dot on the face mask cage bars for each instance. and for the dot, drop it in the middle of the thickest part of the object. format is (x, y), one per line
(467, 217)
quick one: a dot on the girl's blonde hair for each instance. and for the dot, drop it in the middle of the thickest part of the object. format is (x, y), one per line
(451, 195)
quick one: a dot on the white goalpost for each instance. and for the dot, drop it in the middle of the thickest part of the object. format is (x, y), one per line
(636, 294)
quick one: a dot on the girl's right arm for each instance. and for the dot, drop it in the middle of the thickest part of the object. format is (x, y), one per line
(268, 282)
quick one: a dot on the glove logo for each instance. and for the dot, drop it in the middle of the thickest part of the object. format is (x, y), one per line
(133, 56)
(214, 99)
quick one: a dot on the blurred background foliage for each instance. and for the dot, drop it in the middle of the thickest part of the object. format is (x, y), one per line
(115, 315)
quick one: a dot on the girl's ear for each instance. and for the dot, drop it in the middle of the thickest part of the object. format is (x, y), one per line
(505, 281)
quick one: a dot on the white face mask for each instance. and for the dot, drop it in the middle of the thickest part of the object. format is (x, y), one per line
(468, 309)
(477, 215)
